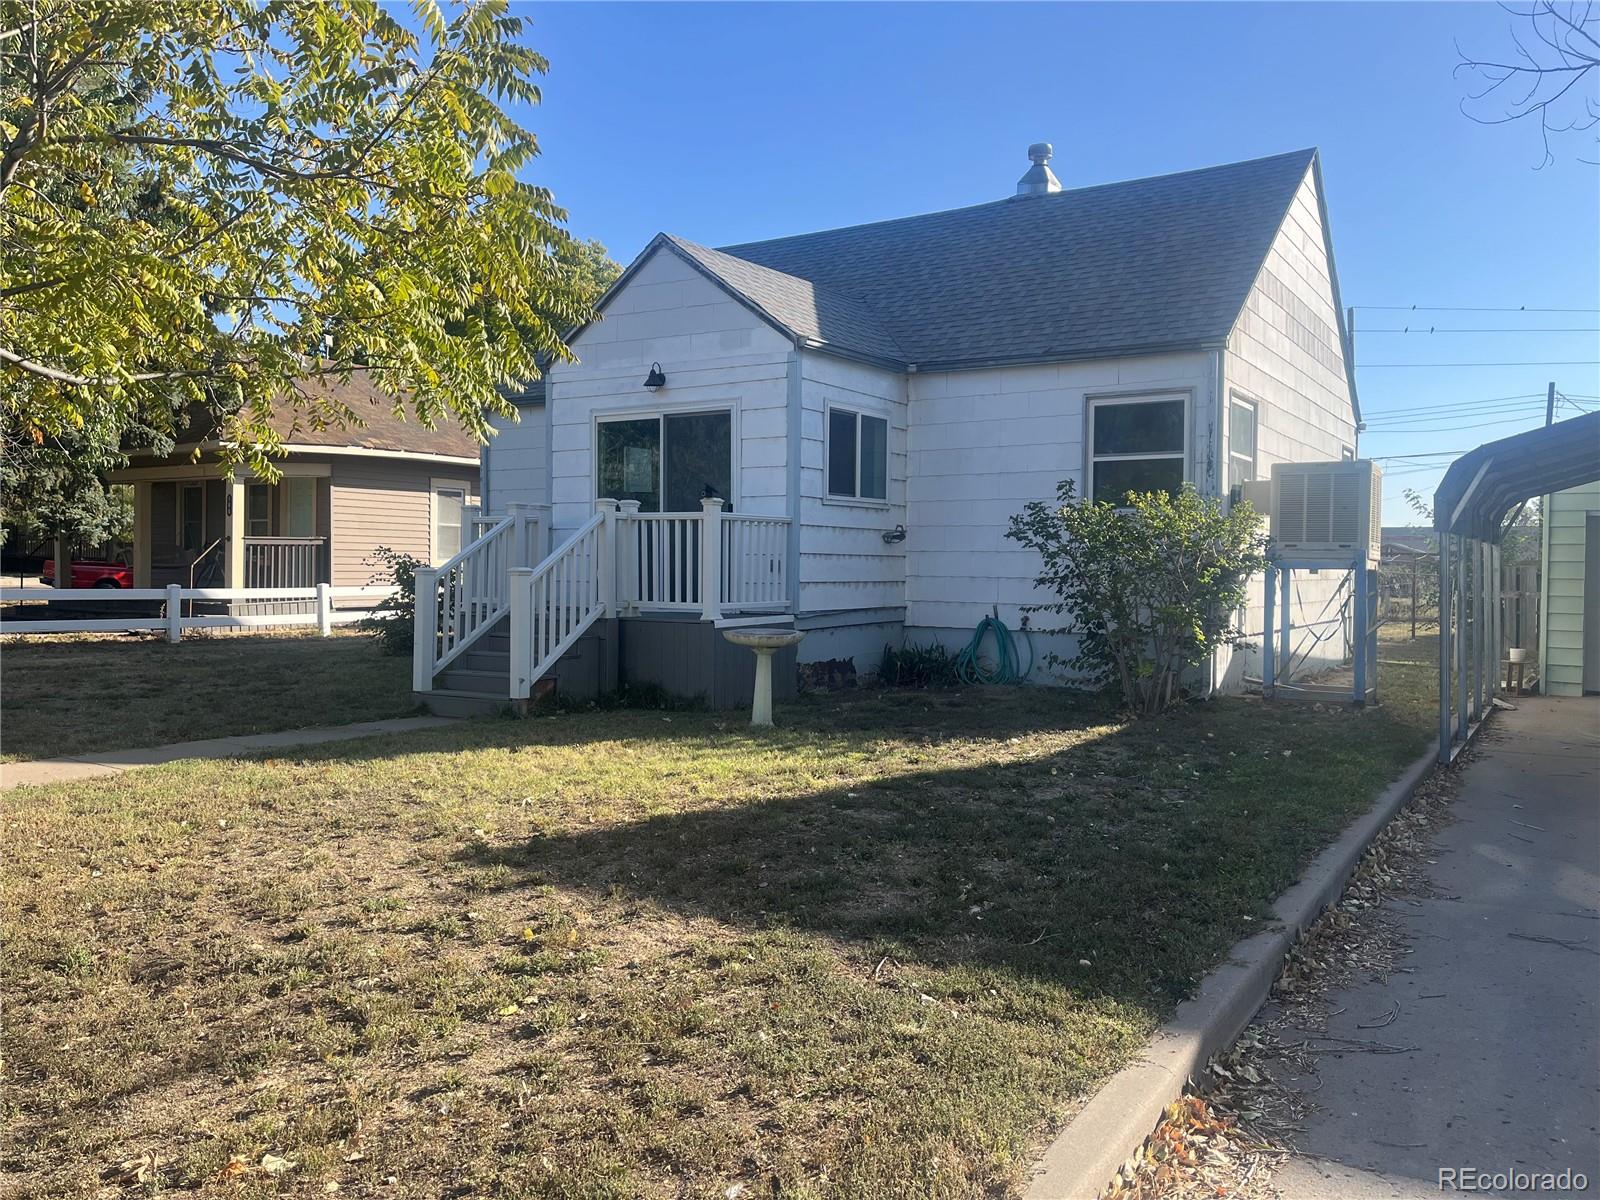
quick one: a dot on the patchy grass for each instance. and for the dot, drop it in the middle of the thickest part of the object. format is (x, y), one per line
(878, 951)
(78, 695)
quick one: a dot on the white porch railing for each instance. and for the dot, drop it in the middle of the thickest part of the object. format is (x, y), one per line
(553, 604)
(620, 560)
(755, 562)
(164, 608)
(462, 598)
(293, 562)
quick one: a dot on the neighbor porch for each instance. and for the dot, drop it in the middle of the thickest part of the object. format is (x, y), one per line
(195, 528)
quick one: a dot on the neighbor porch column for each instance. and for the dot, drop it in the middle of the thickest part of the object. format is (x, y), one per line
(141, 534)
(233, 548)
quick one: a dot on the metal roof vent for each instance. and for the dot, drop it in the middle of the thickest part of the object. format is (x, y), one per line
(1039, 180)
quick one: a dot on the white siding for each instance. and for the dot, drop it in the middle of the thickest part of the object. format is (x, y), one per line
(516, 461)
(982, 444)
(1285, 355)
(1561, 631)
(844, 561)
(715, 352)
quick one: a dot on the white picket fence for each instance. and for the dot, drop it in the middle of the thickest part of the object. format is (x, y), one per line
(325, 606)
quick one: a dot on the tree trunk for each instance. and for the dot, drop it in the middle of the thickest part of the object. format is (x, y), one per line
(63, 563)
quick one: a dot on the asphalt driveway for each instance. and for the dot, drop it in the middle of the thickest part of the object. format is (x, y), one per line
(1502, 1000)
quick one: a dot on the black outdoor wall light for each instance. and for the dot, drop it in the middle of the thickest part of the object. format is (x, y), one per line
(657, 378)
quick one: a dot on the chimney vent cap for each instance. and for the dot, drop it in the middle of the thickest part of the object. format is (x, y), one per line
(1039, 179)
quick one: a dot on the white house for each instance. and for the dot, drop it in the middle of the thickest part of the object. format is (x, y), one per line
(888, 395)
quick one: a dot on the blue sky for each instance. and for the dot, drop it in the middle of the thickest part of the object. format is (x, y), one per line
(728, 122)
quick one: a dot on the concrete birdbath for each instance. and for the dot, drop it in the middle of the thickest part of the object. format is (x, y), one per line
(766, 643)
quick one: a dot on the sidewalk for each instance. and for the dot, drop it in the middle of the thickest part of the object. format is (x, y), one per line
(114, 762)
(1500, 1006)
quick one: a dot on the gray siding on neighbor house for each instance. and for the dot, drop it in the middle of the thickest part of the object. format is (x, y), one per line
(384, 502)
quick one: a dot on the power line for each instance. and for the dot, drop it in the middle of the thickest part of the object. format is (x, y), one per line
(1573, 363)
(1431, 329)
(1448, 308)
(1434, 454)
(1452, 425)
(1476, 401)
(1464, 407)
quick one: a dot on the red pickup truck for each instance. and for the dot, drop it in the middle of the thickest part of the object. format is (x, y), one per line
(91, 573)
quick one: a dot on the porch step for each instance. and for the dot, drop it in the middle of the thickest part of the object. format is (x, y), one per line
(462, 679)
(449, 703)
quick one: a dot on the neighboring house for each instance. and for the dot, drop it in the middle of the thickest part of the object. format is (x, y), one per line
(344, 492)
(898, 390)
(1569, 626)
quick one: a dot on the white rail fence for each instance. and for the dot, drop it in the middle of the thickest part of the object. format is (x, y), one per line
(325, 606)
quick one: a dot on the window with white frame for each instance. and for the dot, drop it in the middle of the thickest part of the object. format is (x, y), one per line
(257, 510)
(1347, 454)
(1137, 445)
(449, 513)
(1241, 442)
(300, 506)
(858, 456)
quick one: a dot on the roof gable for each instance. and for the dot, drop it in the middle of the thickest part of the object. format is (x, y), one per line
(1152, 264)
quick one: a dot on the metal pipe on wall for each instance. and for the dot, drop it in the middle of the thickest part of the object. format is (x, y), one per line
(1446, 600)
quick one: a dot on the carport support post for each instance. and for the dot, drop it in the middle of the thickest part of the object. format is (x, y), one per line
(1445, 567)
(1486, 635)
(1269, 625)
(1463, 618)
(1286, 622)
(1360, 631)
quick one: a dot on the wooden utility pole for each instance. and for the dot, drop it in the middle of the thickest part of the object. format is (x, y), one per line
(1550, 404)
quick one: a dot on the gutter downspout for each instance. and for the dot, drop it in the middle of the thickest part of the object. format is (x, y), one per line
(792, 461)
(1219, 385)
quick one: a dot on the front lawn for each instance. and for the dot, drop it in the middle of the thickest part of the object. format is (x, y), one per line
(64, 696)
(878, 951)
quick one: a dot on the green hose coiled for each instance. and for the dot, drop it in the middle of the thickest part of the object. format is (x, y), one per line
(1005, 667)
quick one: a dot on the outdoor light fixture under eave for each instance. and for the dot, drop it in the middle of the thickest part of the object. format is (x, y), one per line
(657, 379)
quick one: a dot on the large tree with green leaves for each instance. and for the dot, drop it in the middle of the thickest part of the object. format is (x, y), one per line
(217, 202)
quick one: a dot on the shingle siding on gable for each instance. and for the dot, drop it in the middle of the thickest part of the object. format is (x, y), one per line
(1285, 355)
(716, 354)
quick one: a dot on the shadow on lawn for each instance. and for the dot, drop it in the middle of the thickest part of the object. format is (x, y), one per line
(1123, 866)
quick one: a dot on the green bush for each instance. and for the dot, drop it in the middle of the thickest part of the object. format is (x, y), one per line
(918, 667)
(1149, 589)
(394, 619)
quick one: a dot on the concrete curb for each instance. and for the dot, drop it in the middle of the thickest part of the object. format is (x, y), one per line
(1088, 1152)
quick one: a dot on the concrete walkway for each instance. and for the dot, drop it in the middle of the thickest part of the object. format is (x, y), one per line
(1505, 1074)
(114, 762)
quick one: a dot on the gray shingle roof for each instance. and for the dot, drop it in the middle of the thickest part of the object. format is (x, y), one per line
(1122, 268)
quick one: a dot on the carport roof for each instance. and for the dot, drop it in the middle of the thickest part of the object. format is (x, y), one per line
(1483, 485)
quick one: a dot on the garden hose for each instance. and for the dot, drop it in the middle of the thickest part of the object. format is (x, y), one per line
(1005, 667)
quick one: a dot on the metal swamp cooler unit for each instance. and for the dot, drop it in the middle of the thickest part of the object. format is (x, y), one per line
(1323, 516)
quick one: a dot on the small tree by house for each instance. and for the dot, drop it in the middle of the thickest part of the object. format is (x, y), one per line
(1149, 590)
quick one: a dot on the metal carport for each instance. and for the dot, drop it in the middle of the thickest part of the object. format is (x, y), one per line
(1469, 511)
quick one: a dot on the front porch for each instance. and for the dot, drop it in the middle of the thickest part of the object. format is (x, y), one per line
(631, 596)
(194, 529)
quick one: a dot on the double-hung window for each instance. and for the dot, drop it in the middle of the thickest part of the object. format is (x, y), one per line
(449, 516)
(858, 456)
(1136, 445)
(257, 510)
(1241, 442)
